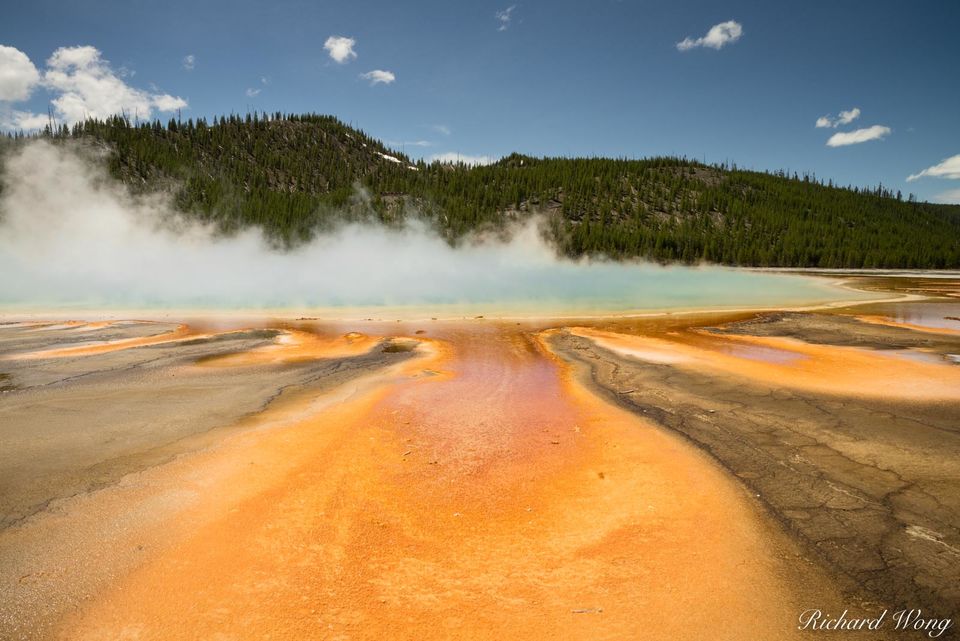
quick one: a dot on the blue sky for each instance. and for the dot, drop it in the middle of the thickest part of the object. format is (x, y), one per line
(545, 78)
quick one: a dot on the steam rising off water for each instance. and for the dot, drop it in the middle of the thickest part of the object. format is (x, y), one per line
(71, 238)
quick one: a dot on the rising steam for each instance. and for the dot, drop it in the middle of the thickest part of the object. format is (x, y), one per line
(72, 237)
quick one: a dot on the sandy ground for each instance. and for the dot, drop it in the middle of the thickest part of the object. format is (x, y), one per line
(665, 478)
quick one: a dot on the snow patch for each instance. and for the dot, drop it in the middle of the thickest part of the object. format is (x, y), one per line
(390, 158)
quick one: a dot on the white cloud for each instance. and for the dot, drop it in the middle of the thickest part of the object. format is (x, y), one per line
(189, 62)
(949, 197)
(846, 117)
(719, 35)
(253, 92)
(18, 76)
(442, 129)
(379, 76)
(949, 168)
(453, 158)
(504, 17)
(167, 103)
(84, 85)
(844, 138)
(340, 48)
(22, 120)
(89, 87)
(66, 58)
(843, 118)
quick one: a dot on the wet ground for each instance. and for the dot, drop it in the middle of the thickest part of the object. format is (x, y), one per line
(674, 477)
(846, 423)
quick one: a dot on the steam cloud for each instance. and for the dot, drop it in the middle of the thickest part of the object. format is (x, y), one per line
(71, 237)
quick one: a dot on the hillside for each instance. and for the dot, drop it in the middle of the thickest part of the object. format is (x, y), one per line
(293, 175)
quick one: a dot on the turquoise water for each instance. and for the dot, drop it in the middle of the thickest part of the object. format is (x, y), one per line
(550, 289)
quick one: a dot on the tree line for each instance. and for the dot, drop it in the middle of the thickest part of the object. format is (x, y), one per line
(295, 175)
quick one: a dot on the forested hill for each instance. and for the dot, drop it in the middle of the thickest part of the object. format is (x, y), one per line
(292, 175)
